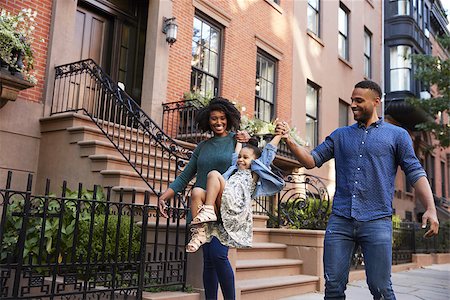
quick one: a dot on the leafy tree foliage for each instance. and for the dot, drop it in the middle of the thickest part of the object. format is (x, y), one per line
(435, 71)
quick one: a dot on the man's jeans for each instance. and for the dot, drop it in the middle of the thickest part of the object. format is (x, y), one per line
(341, 238)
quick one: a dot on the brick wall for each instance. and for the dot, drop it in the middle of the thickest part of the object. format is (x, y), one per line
(40, 44)
(238, 67)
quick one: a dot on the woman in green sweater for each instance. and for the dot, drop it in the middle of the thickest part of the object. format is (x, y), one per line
(220, 117)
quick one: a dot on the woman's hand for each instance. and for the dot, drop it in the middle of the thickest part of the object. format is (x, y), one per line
(162, 201)
(242, 136)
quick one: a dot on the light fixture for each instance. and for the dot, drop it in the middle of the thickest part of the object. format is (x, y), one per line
(170, 28)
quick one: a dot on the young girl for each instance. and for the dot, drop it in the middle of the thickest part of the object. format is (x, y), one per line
(248, 177)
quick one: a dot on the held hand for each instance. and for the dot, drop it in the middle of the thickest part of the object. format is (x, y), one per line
(242, 136)
(282, 128)
(430, 216)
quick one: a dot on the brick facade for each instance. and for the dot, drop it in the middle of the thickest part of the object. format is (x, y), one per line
(40, 44)
(248, 21)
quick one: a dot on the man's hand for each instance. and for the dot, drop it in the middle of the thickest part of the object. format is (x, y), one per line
(242, 136)
(430, 216)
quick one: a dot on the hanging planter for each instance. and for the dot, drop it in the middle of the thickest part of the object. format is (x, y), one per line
(16, 37)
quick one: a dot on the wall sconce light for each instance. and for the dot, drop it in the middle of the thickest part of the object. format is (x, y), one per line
(170, 29)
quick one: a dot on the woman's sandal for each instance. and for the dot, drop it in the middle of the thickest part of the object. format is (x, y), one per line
(198, 239)
(205, 214)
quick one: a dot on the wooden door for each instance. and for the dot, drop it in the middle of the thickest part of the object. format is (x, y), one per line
(93, 37)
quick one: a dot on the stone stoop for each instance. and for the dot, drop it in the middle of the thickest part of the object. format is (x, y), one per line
(94, 152)
(265, 272)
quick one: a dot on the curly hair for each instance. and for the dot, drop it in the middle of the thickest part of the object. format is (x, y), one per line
(218, 104)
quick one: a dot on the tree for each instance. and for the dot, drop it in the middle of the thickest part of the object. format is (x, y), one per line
(435, 71)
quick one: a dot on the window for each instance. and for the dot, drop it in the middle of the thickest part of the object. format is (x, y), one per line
(312, 103)
(400, 7)
(343, 113)
(343, 31)
(313, 16)
(205, 61)
(430, 169)
(265, 86)
(400, 72)
(367, 53)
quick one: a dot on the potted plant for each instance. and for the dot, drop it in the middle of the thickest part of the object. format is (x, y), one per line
(16, 37)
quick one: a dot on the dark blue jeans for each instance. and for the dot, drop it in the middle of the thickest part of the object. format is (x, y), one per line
(217, 269)
(375, 239)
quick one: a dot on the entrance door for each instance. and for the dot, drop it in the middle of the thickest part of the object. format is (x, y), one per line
(93, 37)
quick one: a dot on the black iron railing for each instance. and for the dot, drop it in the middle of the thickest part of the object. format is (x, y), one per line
(303, 203)
(84, 87)
(408, 239)
(81, 245)
(179, 121)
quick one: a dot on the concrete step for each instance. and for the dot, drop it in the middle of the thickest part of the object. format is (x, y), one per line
(260, 221)
(100, 162)
(273, 288)
(265, 268)
(263, 251)
(261, 235)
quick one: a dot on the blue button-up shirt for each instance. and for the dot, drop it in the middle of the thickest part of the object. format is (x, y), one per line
(366, 162)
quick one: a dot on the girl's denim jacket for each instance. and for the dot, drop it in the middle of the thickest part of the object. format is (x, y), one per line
(268, 183)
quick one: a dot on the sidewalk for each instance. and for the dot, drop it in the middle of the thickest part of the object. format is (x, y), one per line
(428, 283)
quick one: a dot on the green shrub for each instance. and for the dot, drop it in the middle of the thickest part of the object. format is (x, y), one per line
(313, 215)
(100, 244)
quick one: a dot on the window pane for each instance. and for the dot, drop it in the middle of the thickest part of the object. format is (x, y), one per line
(342, 46)
(400, 80)
(342, 18)
(313, 20)
(367, 43)
(214, 45)
(310, 132)
(367, 67)
(213, 63)
(197, 30)
(314, 4)
(311, 101)
(400, 57)
(343, 114)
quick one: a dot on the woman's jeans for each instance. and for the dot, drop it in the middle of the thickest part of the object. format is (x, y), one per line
(341, 238)
(217, 269)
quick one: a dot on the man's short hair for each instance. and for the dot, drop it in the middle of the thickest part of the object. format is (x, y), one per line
(368, 84)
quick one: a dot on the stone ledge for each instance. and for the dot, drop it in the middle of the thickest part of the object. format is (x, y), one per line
(10, 86)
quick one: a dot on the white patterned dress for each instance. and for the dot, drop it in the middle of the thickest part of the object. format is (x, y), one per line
(236, 226)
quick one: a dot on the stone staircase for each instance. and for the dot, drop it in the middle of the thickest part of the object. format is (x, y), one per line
(265, 272)
(72, 146)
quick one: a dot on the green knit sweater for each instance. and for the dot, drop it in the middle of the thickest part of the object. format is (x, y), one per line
(212, 154)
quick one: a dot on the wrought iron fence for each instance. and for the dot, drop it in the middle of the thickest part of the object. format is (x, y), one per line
(84, 87)
(303, 203)
(81, 245)
(408, 239)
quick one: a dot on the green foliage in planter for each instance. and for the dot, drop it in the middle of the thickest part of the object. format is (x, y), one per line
(314, 215)
(14, 219)
(16, 38)
(202, 99)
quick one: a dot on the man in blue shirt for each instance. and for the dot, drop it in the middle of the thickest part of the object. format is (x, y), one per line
(367, 155)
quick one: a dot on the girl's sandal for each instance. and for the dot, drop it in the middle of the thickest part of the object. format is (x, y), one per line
(205, 214)
(198, 239)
